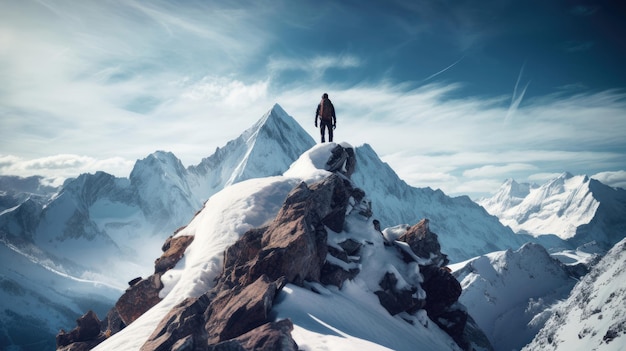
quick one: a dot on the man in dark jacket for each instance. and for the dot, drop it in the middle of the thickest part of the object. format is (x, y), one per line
(326, 114)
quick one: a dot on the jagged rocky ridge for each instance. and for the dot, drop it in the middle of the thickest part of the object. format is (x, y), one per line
(301, 245)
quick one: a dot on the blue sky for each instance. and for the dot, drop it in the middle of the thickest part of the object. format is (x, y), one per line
(452, 94)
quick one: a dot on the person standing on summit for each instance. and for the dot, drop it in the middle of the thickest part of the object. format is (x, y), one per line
(326, 114)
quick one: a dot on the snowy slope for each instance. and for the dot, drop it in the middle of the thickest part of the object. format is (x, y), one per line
(593, 317)
(465, 229)
(574, 208)
(507, 292)
(36, 302)
(350, 318)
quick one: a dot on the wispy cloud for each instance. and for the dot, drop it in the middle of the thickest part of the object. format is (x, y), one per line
(615, 179)
(315, 66)
(443, 70)
(516, 98)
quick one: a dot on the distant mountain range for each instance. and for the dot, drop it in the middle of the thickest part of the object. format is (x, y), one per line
(577, 209)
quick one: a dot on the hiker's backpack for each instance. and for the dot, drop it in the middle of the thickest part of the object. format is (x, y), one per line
(326, 110)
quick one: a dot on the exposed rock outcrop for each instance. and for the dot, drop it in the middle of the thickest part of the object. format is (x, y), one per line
(85, 336)
(144, 293)
(437, 293)
(292, 249)
(173, 251)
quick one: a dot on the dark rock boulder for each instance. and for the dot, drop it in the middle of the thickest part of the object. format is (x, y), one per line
(350, 247)
(453, 321)
(139, 298)
(112, 323)
(342, 160)
(475, 337)
(442, 290)
(442, 294)
(82, 337)
(394, 299)
(339, 267)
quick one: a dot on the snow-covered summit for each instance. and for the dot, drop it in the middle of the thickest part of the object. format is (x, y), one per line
(267, 148)
(572, 207)
(510, 194)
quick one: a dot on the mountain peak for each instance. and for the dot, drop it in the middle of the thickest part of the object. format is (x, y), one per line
(278, 109)
(269, 146)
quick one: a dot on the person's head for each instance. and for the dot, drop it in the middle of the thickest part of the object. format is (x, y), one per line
(325, 96)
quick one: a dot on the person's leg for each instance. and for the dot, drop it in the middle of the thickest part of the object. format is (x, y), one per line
(330, 132)
(323, 130)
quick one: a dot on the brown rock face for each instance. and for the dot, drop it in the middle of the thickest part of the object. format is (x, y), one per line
(234, 313)
(269, 336)
(84, 336)
(293, 246)
(181, 327)
(144, 293)
(139, 298)
(424, 243)
(173, 251)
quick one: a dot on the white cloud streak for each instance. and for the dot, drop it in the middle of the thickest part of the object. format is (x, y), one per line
(315, 67)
